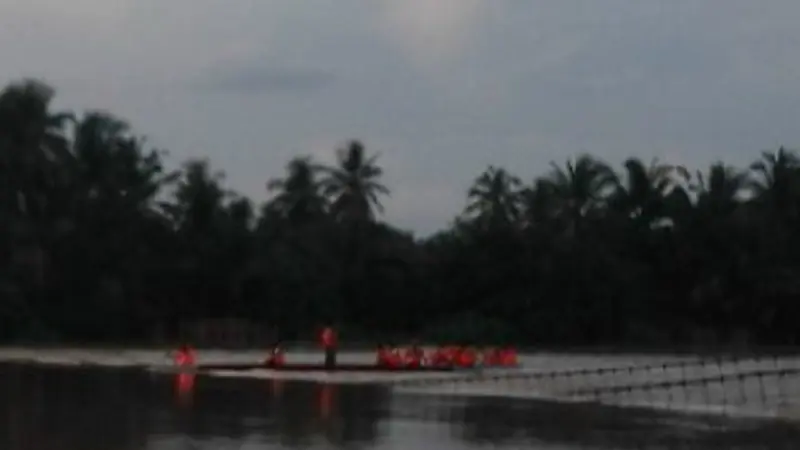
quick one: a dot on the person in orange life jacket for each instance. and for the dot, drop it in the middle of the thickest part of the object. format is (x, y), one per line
(391, 357)
(276, 357)
(466, 357)
(414, 356)
(184, 356)
(491, 357)
(452, 353)
(328, 341)
(395, 358)
(508, 356)
(382, 356)
(440, 357)
(388, 356)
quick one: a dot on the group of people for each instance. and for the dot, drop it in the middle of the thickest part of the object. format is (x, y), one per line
(459, 356)
(413, 356)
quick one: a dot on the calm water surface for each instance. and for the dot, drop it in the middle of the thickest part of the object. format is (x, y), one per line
(105, 409)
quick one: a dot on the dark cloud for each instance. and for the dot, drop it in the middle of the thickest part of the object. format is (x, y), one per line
(253, 80)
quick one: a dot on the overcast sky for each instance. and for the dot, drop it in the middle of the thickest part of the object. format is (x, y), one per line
(441, 88)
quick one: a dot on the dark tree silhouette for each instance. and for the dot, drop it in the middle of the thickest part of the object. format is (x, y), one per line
(354, 184)
(98, 241)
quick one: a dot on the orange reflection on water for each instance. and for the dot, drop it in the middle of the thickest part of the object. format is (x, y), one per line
(276, 386)
(184, 387)
(326, 399)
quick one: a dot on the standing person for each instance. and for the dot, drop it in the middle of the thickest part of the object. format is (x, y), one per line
(276, 357)
(440, 357)
(414, 356)
(329, 343)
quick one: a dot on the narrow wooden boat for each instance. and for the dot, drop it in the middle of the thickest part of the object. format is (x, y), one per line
(315, 367)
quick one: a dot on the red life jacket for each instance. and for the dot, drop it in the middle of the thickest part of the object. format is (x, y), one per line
(413, 357)
(383, 357)
(394, 359)
(184, 357)
(466, 358)
(491, 357)
(454, 354)
(328, 338)
(440, 358)
(508, 357)
(184, 383)
(277, 358)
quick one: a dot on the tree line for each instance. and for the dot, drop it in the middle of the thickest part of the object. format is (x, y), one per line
(100, 241)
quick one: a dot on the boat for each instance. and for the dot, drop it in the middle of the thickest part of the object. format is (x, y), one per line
(316, 367)
(185, 360)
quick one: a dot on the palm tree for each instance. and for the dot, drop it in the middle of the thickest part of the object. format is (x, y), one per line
(199, 198)
(354, 184)
(240, 213)
(33, 142)
(580, 187)
(642, 196)
(26, 119)
(113, 168)
(539, 203)
(776, 182)
(33, 160)
(775, 186)
(495, 198)
(298, 199)
(354, 189)
(718, 192)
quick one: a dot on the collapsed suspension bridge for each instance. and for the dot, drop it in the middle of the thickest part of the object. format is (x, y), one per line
(761, 385)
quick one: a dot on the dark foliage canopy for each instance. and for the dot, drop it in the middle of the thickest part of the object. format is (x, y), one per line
(101, 242)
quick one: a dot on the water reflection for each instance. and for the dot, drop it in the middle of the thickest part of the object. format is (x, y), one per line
(184, 388)
(41, 409)
(294, 414)
(99, 409)
(88, 409)
(490, 421)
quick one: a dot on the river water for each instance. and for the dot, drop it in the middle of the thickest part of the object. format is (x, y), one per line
(74, 408)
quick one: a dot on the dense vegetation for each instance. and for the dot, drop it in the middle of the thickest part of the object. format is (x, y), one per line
(100, 241)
